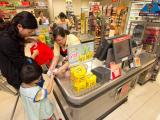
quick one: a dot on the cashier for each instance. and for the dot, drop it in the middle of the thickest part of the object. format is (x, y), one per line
(42, 20)
(63, 21)
(62, 40)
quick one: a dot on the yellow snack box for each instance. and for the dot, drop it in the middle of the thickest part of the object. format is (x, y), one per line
(79, 86)
(91, 80)
(78, 72)
(83, 85)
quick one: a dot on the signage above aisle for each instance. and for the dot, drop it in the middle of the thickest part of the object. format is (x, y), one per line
(114, 0)
(151, 9)
(95, 7)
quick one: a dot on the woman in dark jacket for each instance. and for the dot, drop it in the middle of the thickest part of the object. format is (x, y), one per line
(12, 40)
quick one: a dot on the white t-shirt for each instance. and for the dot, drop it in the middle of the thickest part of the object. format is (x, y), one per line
(36, 110)
(71, 40)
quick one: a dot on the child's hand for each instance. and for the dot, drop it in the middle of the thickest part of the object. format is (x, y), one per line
(52, 72)
(52, 77)
(55, 71)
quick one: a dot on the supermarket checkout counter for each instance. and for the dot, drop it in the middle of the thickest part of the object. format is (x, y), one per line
(101, 100)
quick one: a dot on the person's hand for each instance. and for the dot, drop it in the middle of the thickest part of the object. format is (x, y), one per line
(52, 77)
(49, 73)
(56, 71)
(52, 72)
(59, 72)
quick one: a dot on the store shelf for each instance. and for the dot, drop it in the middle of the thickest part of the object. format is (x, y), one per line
(140, 3)
(7, 8)
(135, 8)
(133, 15)
(21, 7)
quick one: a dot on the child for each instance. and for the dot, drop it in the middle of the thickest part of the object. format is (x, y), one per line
(42, 53)
(34, 98)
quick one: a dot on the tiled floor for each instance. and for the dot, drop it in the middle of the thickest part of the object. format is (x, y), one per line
(143, 104)
(7, 102)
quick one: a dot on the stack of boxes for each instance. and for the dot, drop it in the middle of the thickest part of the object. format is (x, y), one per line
(81, 80)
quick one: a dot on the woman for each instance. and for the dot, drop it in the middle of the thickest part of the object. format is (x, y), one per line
(92, 23)
(62, 41)
(42, 19)
(12, 41)
(63, 21)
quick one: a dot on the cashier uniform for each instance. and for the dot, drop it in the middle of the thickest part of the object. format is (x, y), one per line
(62, 51)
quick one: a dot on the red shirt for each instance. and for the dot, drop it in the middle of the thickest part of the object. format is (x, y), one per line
(45, 55)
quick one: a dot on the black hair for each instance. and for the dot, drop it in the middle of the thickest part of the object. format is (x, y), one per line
(53, 26)
(2, 25)
(40, 12)
(30, 71)
(59, 31)
(26, 19)
(62, 15)
(1, 20)
(90, 13)
(138, 31)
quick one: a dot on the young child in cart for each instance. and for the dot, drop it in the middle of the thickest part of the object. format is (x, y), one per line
(35, 98)
(41, 53)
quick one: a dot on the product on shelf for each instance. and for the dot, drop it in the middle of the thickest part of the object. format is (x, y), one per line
(134, 11)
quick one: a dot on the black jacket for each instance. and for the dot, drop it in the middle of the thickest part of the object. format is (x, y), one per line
(12, 57)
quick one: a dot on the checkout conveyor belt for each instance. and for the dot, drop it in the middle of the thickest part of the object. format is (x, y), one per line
(110, 92)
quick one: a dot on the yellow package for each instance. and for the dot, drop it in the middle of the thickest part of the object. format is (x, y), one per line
(79, 80)
(42, 38)
(78, 72)
(88, 83)
(83, 85)
(79, 86)
(91, 80)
